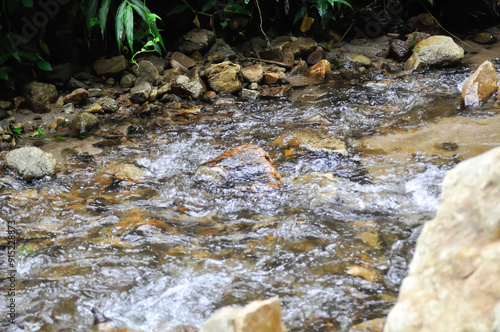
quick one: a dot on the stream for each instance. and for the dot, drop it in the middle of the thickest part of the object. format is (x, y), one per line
(334, 243)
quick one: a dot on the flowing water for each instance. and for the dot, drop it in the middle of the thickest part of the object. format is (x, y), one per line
(166, 251)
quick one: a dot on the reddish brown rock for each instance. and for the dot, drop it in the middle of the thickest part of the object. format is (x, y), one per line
(316, 57)
(271, 78)
(480, 86)
(78, 96)
(320, 70)
(183, 59)
(253, 74)
(246, 167)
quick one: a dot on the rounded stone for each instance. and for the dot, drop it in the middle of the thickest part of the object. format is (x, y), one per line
(31, 163)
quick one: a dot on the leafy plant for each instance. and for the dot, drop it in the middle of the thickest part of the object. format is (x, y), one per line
(125, 29)
(325, 8)
(212, 9)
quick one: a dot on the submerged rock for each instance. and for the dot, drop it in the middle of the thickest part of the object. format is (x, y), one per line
(437, 51)
(30, 163)
(453, 282)
(480, 86)
(223, 77)
(39, 96)
(120, 173)
(257, 316)
(312, 142)
(245, 166)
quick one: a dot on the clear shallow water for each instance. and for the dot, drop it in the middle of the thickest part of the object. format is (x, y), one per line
(167, 252)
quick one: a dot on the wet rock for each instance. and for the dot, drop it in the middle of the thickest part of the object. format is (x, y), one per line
(312, 141)
(223, 77)
(192, 87)
(452, 283)
(83, 123)
(196, 40)
(183, 59)
(300, 68)
(271, 78)
(6, 105)
(250, 94)
(276, 92)
(320, 70)
(77, 97)
(128, 81)
(111, 66)
(30, 163)
(484, 38)
(480, 86)
(209, 96)
(360, 60)
(170, 75)
(319, 189)
(438, 51)
(399, 48)
(316, 57)
(146, 71)
(220, 47)
(19, 102)
(303, 46)
(39, 96)
(216, 57)
(414, 63)
(95, 93)
(253, 74)
(247, 167)
(140, 92)
(125, 174)
(374, 325)
(258, 316)
(109, 105)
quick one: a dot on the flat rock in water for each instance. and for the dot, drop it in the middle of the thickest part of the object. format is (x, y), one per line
(312, 142)
(245, 166)
(120, 173)
(480, 86)
(257, 316)
(30, 163)
(453, 282)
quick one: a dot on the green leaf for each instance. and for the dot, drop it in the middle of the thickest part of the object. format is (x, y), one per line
(119, 23)
(240, 9)
(17, 130)
(208, 5)
(16, 56)
(322, 7)
(44, 65)
(344, 2)
(129, 27)
(103, 15)
(4, 75)
(177, 9)
(27, 3)
(40, 132)
(300, 14)
(93, 21)
(91, 12)
(431, 2)
(153, 17)
(60, 138)
(141, 9)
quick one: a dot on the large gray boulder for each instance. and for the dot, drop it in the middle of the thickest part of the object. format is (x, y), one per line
(30, 163)
(454, 278)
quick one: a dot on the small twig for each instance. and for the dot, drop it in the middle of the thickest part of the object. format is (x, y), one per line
(281, 64)
(345, 33)
(262, 30)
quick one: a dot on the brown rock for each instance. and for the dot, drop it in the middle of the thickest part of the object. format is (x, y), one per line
(39, 96)
(253, 74)
(258, 316)
(247, 166)
(196, 40)
(223, 77)
(303, 46)
(77, 97)
(271, 78)
(316, 57)
(319, 70)
(209, 96)
(111, 66)
(183, 59)
(480, 86)
(119, 173)
(276, 92)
